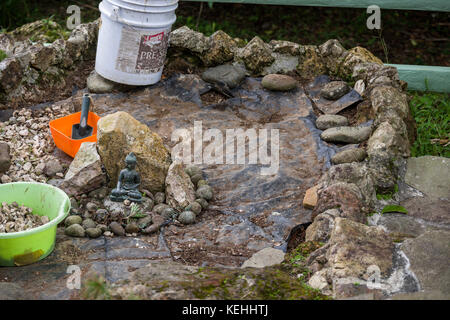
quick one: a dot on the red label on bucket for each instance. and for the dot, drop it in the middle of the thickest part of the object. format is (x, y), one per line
(142, 53)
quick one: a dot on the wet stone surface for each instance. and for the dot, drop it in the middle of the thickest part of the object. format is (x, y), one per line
(249, 212)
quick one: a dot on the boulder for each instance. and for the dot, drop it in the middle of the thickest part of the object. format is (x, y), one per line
(333, 54)
(321, 228)
(118, 135)
(180, 191)
(85, 172)
(386, 139)
(186, 38)
(387, 97)
(357, 56)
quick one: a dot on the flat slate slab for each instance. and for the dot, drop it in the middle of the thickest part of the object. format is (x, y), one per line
(429, 175)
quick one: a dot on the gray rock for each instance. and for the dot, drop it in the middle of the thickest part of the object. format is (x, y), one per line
(205, 192)
(91, 207)
(348, 156)
(85, 172)
(70, 220)
(264, 258)
(196, 178)
(160, 197)
(94, 232)
(194, 207)
(428, 255)
(159, 208)
(187, 217)
(116, 228)
(188, 39)
(429, 175)
(278, 82)
(52, 167)
(201, 183)
(132, 227)
(193, 170)
(360, 86)
(334, 90)
(97, 84)
(327, 121)
(168, 213)
(88, 223)
(102, 227)
(346, 134)
(256, 55)
(231, 75)
(75, 230)
(180, 191)
(202, 202)
(5, 158)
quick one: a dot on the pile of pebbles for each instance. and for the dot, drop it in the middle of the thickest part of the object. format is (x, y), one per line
(95, 214)
(15, 218)
(31, 145)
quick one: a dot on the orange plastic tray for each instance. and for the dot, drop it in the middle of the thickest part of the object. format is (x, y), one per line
(61, 130)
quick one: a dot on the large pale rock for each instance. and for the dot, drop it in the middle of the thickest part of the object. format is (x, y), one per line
(353, 247)
(85, 172)
(256, 55)
(428, 255)
(118, 135)
(278, 82)
(430, 175)
(285, 47)
(180, 191)
(264, 258)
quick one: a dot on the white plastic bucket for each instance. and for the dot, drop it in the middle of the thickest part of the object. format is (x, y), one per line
(133, 39)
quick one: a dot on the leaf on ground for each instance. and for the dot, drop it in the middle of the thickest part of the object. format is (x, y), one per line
(394, 208)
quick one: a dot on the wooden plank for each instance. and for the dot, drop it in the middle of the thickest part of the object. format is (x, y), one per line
(425, 78)
(425, 5)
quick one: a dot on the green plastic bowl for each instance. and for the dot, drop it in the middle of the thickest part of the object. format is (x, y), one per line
(25, 247)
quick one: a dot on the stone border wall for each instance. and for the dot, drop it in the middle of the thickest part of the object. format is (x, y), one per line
(347, 192)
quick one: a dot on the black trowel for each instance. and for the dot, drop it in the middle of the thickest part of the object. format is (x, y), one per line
(83, 130)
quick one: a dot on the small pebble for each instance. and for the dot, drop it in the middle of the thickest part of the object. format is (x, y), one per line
(93, 232)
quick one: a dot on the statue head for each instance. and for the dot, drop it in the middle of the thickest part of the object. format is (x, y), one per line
(130, 161)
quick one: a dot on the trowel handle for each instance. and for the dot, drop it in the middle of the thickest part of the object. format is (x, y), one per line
(84, 113)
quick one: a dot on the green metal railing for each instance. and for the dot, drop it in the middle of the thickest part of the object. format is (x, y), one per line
(430, 78)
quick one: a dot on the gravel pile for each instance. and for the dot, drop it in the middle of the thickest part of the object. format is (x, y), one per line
(15, 218)
(30, 141)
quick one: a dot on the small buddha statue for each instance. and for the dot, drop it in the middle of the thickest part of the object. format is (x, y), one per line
(128, 183)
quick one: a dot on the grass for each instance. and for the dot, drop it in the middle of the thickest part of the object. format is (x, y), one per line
(2, 55)
(432, 114)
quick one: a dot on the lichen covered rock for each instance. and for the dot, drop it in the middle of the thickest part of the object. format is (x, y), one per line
(180, 190)
(118, 135)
